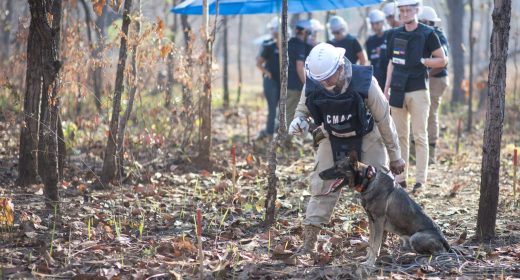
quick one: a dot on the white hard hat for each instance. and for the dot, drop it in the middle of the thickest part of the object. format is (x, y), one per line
(375, 16)
(316, 25)
(407, 2)
(390, 9)
(273, 24)
(304, 24)
(336, 23)
(323, 61)
(429, 14)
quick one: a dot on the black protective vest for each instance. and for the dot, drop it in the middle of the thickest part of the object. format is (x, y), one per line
(344, 115)
(407, 51)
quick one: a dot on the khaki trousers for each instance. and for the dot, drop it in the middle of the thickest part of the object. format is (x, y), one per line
(417, 106)
(437, 88)
(319, 209)
(293, 98)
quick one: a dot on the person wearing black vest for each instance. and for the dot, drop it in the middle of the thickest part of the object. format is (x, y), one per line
(438, 80)
(268, 61)
(376, 46)
(412, 49)
(297, 50)
(349, 108)
(354, 52)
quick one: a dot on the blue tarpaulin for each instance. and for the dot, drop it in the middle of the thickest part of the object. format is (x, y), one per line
(245, 7)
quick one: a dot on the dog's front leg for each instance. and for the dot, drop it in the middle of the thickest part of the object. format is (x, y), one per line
(370, 238)
(376, 236)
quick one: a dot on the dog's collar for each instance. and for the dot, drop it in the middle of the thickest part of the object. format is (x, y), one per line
(370, 173)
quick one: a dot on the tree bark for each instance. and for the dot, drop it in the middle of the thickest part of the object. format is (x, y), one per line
(6, 29)
(109, 164)
(455, 29)
(471, 51)
(97, 79)
(225, 76)
(187, 115)
(489, 186)
(272, 179)
(45, 22)
(205, 102)
(171, 61)
(239, 58)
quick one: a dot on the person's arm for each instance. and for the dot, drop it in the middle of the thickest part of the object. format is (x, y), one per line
(362, 58)
(389, 71)
(301, 108)
(300, 69)
(260, 65)
(438, 59)
(380, 109)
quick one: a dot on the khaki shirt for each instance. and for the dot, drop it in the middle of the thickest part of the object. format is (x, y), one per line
(380, 109)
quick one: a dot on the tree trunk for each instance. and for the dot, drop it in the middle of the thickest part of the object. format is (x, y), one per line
(471, 51)
(6, 29)
(97, 79)
(239, 58)
(225, 76)
(272, 179)
(131, 95)
(187, 115)
(455, 29)
(171, 61)
(46, 39)
(489, 186)
(205, 102)
(109, 163)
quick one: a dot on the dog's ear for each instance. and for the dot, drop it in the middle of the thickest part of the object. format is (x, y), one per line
(353, 158)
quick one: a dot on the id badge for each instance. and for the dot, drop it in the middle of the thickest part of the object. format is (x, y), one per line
(399, 51)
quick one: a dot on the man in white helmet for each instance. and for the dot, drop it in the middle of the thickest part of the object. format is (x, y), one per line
(316, 28)
(438, 80)
(349, 108)
(297, 50)
(390, 10)
(376, 46)
(412, 49)
(354, 52)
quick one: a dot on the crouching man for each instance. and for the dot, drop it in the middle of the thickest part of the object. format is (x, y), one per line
(351, 112)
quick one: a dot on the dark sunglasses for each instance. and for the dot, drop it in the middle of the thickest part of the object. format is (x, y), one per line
(336, 32)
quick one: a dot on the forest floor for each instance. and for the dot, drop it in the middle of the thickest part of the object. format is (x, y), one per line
(144, 228)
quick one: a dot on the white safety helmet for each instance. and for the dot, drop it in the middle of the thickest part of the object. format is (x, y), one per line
(273, 24)
(323, 61)
(316, 25)
(336, 23)
(401, 3)
(376, 16)
(390, 9)
(304, 24)
(429, 14)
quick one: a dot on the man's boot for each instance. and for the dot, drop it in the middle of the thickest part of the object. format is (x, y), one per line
(431, 159)
(310, 236)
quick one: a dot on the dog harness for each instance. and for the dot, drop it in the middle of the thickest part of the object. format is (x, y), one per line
(370, 173)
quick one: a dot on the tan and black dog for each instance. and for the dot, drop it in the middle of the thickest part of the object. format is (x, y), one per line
(389, 208)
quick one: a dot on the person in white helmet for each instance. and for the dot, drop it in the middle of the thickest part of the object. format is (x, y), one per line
(297, 50)
(376, 46)
(438, 80)
(268, 62)
(350, 110)
(412, 49)
(390, 10)
(316, 28)
(342, 39)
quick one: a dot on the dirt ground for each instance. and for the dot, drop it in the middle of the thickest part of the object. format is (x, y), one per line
(144, 228)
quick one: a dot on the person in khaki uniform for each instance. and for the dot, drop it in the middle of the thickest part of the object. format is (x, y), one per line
(438, 80)
(347, 104)
(412, 49)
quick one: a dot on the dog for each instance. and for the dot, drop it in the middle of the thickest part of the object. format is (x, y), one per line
(389, 209)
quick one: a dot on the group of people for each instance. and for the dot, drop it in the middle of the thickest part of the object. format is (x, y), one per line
(361, 107)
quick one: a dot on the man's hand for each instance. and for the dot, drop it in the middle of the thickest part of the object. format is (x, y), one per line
(299, 126)
(397, 166)
(268, 75)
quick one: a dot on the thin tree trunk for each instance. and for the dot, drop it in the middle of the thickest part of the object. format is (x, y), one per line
(205, 102)
(455, 29)
(131, 95)
(6, 29)
(110, 161)
(225, 76)
(170, 72)
(272, 179)
(187, 114)
(471, 51)
(489, 186)
(48, 38)
(327, 33)
(97, 79)
(239, 58)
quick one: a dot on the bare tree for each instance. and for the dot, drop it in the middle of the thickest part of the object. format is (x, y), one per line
(239, 58)
(187, 100)
(97, 79)
(489, 185)
(455, 35)
(472, 40)
(170, 68)
(272, 179)
(6, 18)
(109, 164)
(225, 76)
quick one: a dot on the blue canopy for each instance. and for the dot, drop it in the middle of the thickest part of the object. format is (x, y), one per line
(245, 7)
